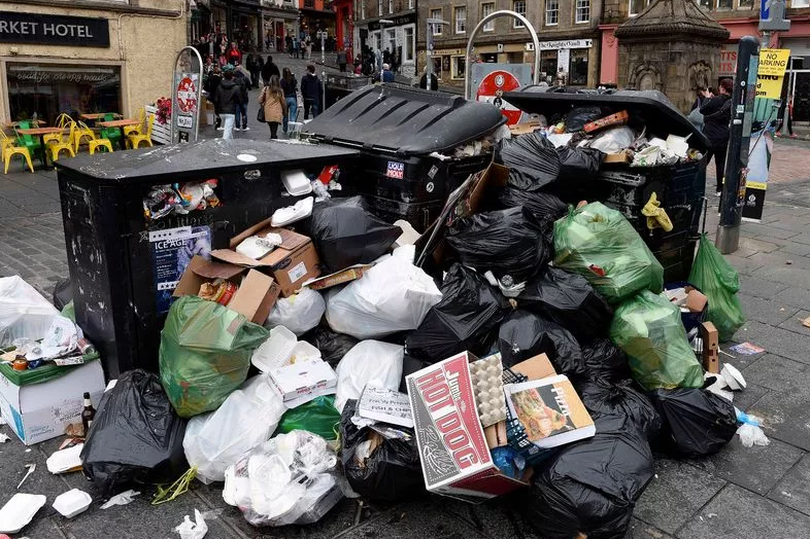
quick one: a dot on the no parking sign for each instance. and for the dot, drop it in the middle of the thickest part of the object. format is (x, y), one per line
(499, 80)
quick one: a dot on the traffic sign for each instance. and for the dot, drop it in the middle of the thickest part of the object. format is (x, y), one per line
(492, 88)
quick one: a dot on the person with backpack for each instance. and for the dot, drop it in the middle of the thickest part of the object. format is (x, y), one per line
(716, 111)
(269, 70)
(243, 81)
(311, 91)
(254, 64)
(289, 86)
(274, 104)
(227, 97)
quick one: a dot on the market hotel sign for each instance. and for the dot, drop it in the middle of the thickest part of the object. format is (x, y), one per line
(44, 29)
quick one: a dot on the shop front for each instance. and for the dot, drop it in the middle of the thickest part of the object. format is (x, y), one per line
(280, 20)
(399, 37)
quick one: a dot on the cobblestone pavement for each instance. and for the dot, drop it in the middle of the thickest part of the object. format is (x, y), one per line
(757, 493)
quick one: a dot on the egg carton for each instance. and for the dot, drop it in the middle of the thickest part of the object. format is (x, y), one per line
(487, 378)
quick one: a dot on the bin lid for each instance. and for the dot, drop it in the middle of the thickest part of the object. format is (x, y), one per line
(404, 121)
(660, 115)
(210, 157)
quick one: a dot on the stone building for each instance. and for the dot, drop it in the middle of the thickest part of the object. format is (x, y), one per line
(567, 29)
(391, 25)
(82, 56)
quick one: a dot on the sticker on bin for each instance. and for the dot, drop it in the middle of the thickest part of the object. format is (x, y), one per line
(395, 170)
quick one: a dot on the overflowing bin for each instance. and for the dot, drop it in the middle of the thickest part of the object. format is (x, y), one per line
(134, 220)
(339, 85)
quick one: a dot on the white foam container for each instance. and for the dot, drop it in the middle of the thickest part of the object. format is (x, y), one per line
(296, 182)
(19, 511)
(276, 351)
(72, 503)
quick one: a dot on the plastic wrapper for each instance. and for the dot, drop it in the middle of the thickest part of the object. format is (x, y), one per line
(601, 245)
(465, 318)
(507, 242)
(532, 160)
(545, 207)
(205, 352)
(570, 300)
(373, 363)
(333, 346)
(589, 488)
(345, 233)
(614, 139)
(649, 330)
(318, 416)
(524, 335)
(604, 360)
(579, 163)
(576, 119)
(299, 313)
(603, 398)
(720, 282)
(180, 199)
(136, 435)
(392, 296)
(390, 472)
(696, 422)
(247, 418)
(24, 313)
(289, 479)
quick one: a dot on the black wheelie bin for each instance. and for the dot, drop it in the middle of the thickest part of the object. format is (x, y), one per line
(125, 261)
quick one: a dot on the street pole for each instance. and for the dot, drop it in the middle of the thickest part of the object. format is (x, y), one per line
(383, 22)
(742, 109)
(323, 51)
(431, 26)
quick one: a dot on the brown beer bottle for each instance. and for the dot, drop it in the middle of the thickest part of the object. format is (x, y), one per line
(88, 414)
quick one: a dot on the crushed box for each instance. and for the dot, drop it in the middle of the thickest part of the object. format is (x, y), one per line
(711, 347)
(305, 379)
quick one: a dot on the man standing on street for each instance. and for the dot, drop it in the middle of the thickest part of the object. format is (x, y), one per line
(716, 113)
(243, 82)
(269, 70)
(254, 65)
(227, 97)
(342, 61)
(311, 91)
(387, 74)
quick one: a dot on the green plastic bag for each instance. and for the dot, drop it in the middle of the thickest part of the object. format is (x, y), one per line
(649, 330)
(601, 245)
(318, 416)
(720, 283)
(205, 351)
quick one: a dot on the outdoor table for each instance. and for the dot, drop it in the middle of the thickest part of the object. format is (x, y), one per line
(121, 124)
(41, 132)
(96, 116)
(10, 125)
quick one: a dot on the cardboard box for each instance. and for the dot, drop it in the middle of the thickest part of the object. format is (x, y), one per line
(300, 380)
(622, 157)
(695, 301)
(711, 347)
(339, 277)
(43, 411)
(292, 263)
(535, 368)
(456, 461)
(255, 297)
(496, 435)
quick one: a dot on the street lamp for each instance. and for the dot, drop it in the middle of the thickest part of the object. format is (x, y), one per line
(322, 35)
(431, 26)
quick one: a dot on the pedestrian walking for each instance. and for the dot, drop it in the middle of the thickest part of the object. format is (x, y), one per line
(716, 113)
(296, 47)
(274, 104)
(429, 83)
(242, 79)
(288, 41)
(342, 61)
(311, 92)
(212, 83)
(227, 98)
(254, 65)
(289, 86)
(308, 44)
(269, 70)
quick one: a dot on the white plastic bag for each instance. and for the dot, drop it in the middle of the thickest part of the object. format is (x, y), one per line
(614, 139)
(289, 479)
(299, 313)
(193, 530)
(373, 363)
(24, 313)
(751, 435)
(392, 296)
(248, 417)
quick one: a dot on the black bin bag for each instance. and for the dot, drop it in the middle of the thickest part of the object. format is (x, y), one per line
(532, 160)
(392, 471)
(136, 435)
(578, 164)
(570, 300)
(333, 345)
(576, 119)
(524, 335)
(604, 360)
(465, 318)
(545, 207)
(507, 242)
(603, 398)
(696, 422)
(591, 487)
(346, 233)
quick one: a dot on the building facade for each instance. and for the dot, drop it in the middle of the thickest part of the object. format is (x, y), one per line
(281, 19)
(388, 25)
(344, 25)
(81, 56)
(567, 29)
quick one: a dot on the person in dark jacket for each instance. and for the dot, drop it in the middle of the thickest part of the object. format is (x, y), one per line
(311, 92)
(227, 98)
(342, 61)
(387, 74)
(213, 81)
(269, 70)
(716, 113)
(254, 64)
(290, 87)
(244, 84)
(434, 82)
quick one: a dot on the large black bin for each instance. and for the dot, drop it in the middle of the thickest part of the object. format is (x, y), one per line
(116, 259)
(398, 129)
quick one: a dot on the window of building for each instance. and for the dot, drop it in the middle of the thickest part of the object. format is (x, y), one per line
(460, 16)
(458, 66)
(411, 4)
(379, 8)
(799, 3)
(391, 41)
(518, 6)
(487, 8)
(745, 4)
(436, 14)
(548, 63)
(578, 67)
(362, 10)
(409, 49)
(552, 12)
(390, 6)
(705, 4)
(583, 11)
(437, 67)
(725, 4)
(637, 6)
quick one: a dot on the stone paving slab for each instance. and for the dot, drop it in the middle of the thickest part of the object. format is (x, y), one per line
(794, 488)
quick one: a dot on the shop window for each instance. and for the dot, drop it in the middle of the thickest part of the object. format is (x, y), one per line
(437, 67)
(519, 7)
(51, 89)
(460, 17)
(799, 3)
(725, 4)
(458, 67)
(489, 57)
(436, 14)
(578, 68)
(548, 63)
(410, 44)
(583, 11)
(488, 8)
(552, 12)
(745, 4)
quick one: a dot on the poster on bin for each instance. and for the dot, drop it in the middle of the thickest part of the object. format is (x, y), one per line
(756, 184)
(172, 250)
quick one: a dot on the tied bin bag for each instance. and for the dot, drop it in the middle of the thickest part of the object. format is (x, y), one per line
(205, 351)
(532, 160)
(524, 335)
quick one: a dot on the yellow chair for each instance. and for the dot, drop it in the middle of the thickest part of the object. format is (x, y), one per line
(135, 140)
(80, 133)
(10, 149)
(136, 129)
(56, 148)
(93, 143)
(5, 142)
(63, 121)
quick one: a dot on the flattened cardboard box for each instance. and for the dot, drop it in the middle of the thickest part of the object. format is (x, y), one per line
(255, 297)
(454, 453)
(292, 263)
